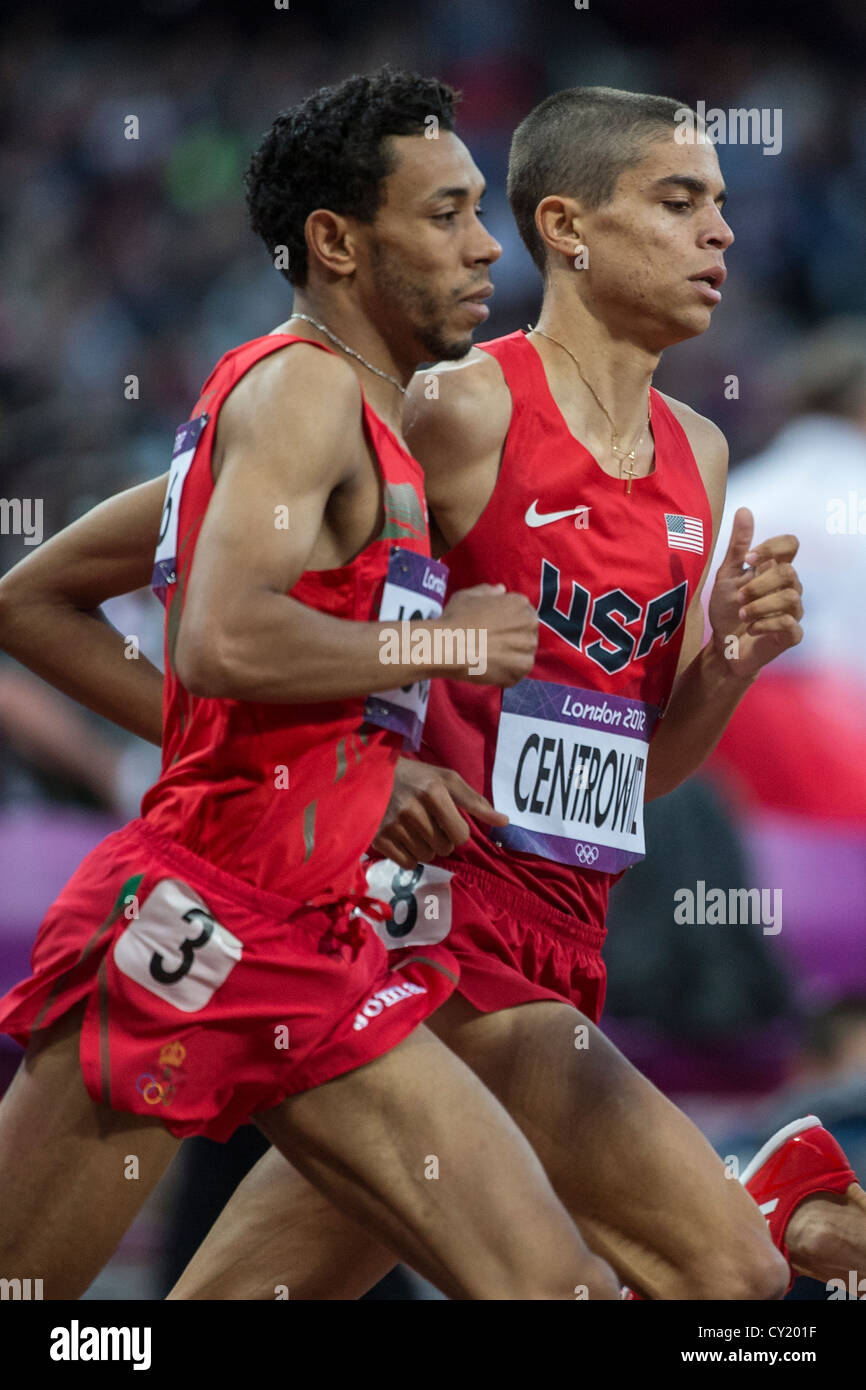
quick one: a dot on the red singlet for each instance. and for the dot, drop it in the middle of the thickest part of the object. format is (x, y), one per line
(612, 586)
(285, 797)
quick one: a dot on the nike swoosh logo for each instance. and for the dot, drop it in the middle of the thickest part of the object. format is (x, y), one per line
(769, 1207)
(535, 518)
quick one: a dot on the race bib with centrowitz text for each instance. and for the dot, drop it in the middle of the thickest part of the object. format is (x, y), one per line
(414, 591)
(165, 560)
(570, 774)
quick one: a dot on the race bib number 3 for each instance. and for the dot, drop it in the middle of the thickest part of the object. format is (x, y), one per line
(570, 773)
(176, 949)
(414, 590)
(165, 560)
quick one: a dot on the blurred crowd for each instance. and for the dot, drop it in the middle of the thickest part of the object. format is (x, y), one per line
(124, 257)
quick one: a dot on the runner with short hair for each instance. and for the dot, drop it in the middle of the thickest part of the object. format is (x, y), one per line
(552, 464)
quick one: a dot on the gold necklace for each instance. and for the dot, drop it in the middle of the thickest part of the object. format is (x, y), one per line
(351, 351)
(624, 456)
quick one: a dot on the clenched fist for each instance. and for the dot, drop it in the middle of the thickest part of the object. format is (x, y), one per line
(507, 626)
(424, 816)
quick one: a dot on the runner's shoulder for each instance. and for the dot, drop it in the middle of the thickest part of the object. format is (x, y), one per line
(323, 385)
(464, 403)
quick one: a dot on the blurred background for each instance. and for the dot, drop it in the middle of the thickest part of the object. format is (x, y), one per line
(132, 257)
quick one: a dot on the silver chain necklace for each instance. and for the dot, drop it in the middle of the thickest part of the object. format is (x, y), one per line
(351, 351)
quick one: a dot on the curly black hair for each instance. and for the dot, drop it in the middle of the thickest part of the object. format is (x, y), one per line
(329, 151)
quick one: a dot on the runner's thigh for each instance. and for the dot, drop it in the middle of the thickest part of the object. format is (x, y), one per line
(418, 1151)
(73, 1174)
(645, 1187)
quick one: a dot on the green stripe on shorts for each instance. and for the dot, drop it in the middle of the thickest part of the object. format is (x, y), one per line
(309, 828)
(341, 759)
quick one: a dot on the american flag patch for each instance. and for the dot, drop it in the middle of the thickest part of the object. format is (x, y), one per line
(685, 532)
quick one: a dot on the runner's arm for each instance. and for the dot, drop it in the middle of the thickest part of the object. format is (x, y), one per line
(457, 433)
(51, 623)
(49, 609)
(703, 699)
(291, 435)
(712, 679)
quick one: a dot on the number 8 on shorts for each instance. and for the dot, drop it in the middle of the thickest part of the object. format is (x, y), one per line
(419, 899)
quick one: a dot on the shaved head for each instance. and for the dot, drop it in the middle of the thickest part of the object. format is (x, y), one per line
(576, 144)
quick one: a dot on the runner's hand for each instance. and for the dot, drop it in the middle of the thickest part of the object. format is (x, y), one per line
(761, 582)
(424, 817)
(506, 628)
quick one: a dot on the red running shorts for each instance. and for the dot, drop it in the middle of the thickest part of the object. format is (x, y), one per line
(209, 1000)
(507, 945)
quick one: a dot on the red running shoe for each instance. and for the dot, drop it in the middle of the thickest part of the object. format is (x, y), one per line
(802, 1158)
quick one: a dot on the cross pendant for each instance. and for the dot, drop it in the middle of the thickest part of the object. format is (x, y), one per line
(630, 473)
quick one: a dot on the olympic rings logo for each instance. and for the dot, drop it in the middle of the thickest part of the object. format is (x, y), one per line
(152, 1091)
(586, 854)
(155, 1092)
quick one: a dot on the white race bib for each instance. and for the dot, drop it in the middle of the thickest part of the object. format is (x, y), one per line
(414, 591)
(570, 774)
(176, 949)
(165, 560)
(419, 898)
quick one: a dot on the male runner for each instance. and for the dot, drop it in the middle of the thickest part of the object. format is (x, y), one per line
(205, 963)
(552, 465)
(616, 1149)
